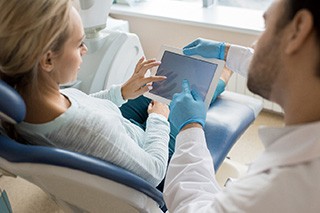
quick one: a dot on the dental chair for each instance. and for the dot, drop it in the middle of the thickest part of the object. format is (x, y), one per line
(79, 183)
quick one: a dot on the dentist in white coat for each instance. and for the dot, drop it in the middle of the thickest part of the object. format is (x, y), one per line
(285, 68)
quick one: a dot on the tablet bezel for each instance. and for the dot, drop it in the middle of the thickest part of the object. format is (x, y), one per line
(214, 82)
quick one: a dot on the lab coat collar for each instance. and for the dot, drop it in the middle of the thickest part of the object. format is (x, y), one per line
(287, 146)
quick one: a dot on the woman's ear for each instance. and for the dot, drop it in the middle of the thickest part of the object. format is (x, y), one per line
(46, 62)
(299, 30)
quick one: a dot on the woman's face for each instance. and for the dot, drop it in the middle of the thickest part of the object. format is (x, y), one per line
(67, 64)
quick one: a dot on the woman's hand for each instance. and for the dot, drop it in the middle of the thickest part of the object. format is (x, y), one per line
(138, 84)
(159, 108)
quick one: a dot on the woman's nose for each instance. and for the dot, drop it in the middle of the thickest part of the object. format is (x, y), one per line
(84, 50)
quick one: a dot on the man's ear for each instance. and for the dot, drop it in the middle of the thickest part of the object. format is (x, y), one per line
(299, 30)
(46, 62)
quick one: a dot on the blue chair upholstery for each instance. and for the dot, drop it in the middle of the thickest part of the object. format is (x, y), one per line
(82, 183)
(12, 106)
(227, 119)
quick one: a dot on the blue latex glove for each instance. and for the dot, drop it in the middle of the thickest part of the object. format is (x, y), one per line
(206, 48)
(187, 107)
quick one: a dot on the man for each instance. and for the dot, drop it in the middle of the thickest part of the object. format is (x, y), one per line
(285, 68)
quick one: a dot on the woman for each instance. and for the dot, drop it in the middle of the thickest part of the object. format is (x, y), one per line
(41, 47)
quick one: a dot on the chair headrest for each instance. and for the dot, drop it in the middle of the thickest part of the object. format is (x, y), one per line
(12, 106)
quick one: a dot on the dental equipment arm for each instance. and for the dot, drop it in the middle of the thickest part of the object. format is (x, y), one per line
(94, 15)
(104, 64)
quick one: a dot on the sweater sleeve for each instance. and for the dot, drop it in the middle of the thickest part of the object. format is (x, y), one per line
(113, 94)
(95, 127)
(106, 137)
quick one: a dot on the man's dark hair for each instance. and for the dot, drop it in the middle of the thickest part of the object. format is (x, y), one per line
(314, 7)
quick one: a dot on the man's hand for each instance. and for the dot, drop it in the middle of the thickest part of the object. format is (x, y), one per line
(206, 48)
(187, 107)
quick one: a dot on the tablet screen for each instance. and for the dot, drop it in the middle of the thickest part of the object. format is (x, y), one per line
(176, 68)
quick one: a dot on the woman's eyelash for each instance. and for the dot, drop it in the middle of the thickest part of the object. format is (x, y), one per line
(82, 44)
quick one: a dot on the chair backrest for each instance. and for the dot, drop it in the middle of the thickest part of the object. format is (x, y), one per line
(12, 109)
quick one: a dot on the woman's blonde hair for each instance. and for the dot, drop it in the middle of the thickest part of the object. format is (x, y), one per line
(28, 29)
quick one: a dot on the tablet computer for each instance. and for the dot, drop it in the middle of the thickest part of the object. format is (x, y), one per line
(202, 73)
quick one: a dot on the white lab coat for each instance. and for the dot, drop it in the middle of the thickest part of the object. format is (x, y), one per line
(285, 178)
(239, 59)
